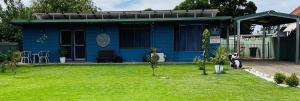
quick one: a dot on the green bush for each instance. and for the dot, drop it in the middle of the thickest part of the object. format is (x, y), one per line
(9, 60)
(62, 52)
(3, 59)
(292, 81)
(220, 56)
(200, 63)
(279, 78)
(147, 58)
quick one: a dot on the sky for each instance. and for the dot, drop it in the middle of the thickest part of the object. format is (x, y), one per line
(285, 6)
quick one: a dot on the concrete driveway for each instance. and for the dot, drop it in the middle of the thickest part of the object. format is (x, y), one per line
(271, 67)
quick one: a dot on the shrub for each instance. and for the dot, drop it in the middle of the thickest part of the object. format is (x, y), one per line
(147, 58)
(220, 56)
(9, 60)
(279, 78)
(62, 52)
(200, 63)
(13, 60)
(292, 81)
(3, 59)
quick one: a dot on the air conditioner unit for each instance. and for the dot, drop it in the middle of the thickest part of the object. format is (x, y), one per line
(162, 57)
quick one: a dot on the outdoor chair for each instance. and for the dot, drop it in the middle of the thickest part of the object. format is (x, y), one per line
(26, 55)
(43, 55)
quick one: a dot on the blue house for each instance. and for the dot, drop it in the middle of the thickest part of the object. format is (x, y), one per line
(131, 34)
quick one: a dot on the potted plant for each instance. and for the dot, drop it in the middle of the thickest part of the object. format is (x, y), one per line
(62, 54)
(219, 59)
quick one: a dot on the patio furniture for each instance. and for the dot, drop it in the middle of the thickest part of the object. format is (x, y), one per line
(108, 56)
(34, 56)
(26, 55)
(43, 55)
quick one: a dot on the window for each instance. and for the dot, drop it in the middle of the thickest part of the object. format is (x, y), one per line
(189, 37)
(134, 36)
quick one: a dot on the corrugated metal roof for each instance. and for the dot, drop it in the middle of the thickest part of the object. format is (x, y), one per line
(268, 18)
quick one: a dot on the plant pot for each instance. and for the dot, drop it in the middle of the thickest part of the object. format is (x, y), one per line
(62, 59)
(219, 68)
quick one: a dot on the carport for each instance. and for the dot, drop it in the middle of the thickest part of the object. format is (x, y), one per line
(267, 19)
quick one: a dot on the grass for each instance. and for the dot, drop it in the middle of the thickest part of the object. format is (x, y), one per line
(136, 83)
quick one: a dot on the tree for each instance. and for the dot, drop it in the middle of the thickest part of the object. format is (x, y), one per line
(205, 46)
(14, 10)
(148, 9)
(232, 8)
(44, 6)
(9, 59)
(193, 4)
(236, 8)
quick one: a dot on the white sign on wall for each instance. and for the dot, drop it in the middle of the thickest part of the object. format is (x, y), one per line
(215, 39)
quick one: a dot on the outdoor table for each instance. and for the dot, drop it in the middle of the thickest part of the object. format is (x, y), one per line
(34, 56)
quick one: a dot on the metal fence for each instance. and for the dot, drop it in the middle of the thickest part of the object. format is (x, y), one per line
(8, 46)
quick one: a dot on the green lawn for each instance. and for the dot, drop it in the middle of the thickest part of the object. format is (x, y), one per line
(135, 83)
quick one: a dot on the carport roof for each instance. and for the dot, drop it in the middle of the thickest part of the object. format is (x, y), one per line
(268, 18)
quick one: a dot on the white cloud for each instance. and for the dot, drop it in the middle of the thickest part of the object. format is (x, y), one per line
(113, 5)
(108, 5)
(2, 3)
(285, 6)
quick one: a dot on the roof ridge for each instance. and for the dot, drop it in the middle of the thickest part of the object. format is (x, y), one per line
(297, 9)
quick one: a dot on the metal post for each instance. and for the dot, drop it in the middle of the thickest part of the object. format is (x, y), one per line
(263, 43)
(297, 41)
(238, 37)
(278, 43)
(227, 35)
(268, 50)
(234, 36)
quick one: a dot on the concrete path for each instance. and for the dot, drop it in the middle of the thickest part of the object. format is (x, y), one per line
(271, 67)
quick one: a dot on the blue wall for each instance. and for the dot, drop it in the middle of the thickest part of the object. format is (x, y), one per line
(91, 45)
(32, 33)
(162, 38)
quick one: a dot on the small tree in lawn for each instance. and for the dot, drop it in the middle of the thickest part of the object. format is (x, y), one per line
(9, 60)
(13, 60)
(154, 60)
(205, 46)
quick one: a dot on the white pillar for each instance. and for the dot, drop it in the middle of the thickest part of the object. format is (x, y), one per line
(263, 42)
